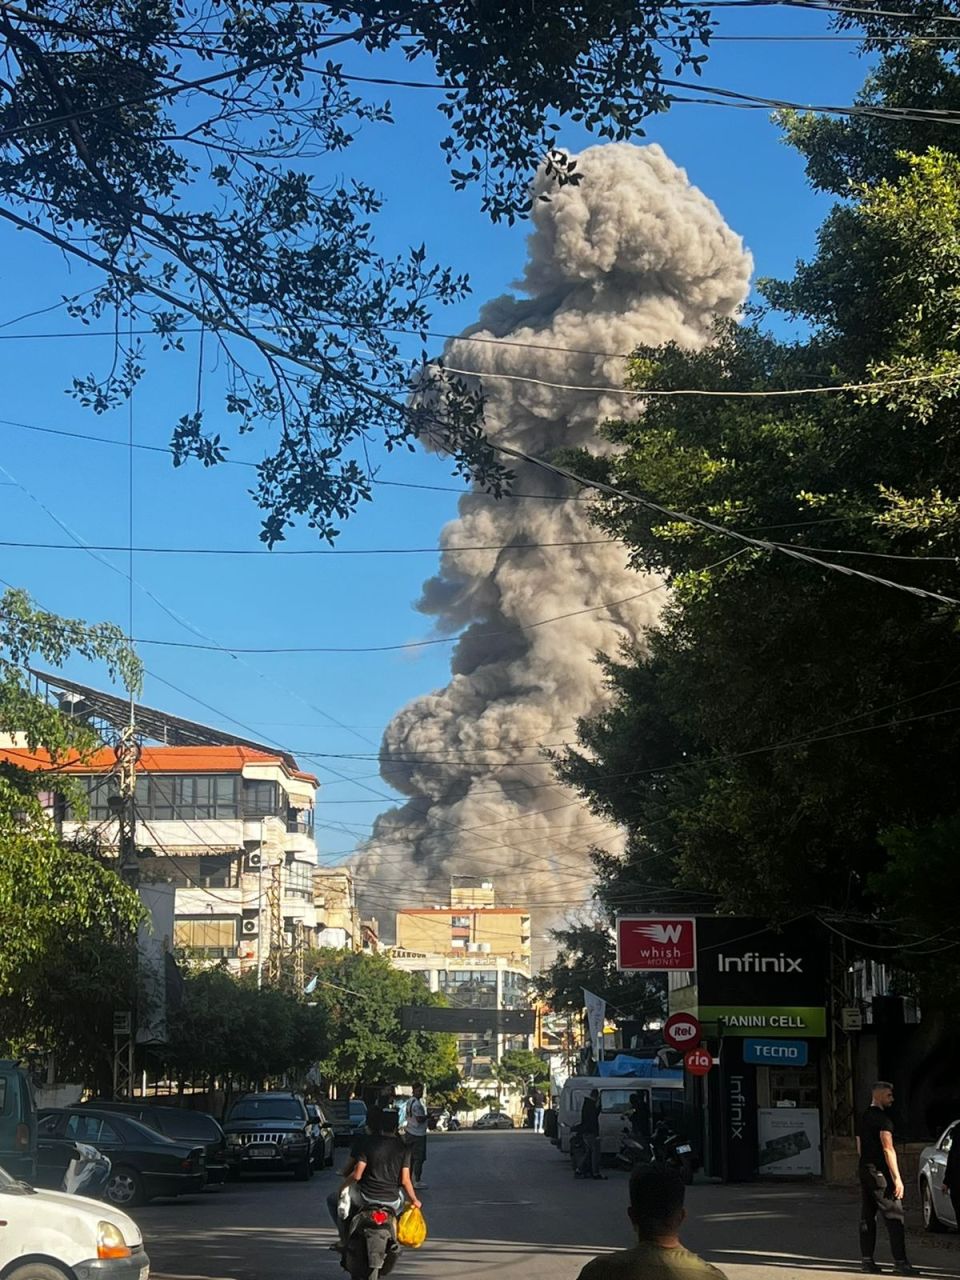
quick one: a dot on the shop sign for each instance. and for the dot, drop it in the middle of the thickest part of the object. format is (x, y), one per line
(776, 1053)
(657, 944)
(750, 1020)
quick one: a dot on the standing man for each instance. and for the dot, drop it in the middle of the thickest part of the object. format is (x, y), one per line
(881, 1187)
(416, 1131)
(590, 1133)
(538, 1101)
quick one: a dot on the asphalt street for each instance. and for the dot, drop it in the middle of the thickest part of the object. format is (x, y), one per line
(506, 1203)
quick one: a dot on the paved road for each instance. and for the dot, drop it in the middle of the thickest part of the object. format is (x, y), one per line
(506, 1204)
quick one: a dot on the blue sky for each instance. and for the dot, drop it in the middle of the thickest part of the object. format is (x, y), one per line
(303, 702)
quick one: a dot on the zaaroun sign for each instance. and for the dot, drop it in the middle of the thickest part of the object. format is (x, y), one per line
(656, 944)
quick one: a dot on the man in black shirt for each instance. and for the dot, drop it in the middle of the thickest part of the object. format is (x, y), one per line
(378, 1171)
(590, 1133)
(881, 1187)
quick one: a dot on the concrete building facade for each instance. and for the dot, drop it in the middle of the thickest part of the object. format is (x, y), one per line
(231, 827)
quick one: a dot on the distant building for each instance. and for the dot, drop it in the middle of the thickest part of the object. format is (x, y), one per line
(472, 923)
(476, 955)
(338, 920)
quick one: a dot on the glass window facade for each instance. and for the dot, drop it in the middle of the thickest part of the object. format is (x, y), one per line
(300, 879)
(469, 988)
(219, 871)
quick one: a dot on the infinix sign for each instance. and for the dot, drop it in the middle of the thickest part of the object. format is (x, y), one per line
(742, 965)
(753, 962)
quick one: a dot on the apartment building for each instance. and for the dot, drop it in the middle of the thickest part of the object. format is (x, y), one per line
(338, 919)
(471, 923)
(477, 955)
(230, 826)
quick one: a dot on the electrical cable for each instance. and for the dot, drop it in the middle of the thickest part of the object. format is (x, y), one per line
(412, 644)
(438, 549)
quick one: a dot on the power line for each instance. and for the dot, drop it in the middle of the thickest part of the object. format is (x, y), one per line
(438, 548)
(413, 644)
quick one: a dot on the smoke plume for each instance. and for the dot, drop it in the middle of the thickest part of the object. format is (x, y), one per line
(632, 255)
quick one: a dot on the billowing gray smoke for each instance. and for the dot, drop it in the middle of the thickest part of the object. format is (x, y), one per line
(633, 254)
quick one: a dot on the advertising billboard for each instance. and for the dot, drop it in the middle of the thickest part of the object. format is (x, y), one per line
(754, 981)
(789, 1140)
(657, 944)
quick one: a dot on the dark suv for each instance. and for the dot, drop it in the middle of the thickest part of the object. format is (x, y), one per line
(180, 1124)
(271, 1132)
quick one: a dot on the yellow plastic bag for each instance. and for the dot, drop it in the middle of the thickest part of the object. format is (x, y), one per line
(412, 1228)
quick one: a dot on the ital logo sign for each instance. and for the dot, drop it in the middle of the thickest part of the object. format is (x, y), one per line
(656, 943)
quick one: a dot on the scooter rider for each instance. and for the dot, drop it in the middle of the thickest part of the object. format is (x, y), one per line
(378, 1172)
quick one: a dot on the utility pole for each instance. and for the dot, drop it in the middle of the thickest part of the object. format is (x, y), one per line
(124, 1032)
(275, 908)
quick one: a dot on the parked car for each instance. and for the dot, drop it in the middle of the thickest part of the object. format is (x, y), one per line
(348, 1117)
(47, 1235)
(269, 1132)
(934, 1203)
(493, 1120)
(18, 1122)
(145, 1163)
(322, 1140)
(181, 1124)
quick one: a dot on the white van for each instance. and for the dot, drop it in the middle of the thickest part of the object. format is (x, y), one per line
(663, 1097)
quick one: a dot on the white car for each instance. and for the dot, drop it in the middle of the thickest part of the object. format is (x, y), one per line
(934, 1203)
(47, 1235)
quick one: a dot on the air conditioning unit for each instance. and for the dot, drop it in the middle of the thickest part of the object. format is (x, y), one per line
(250, 928)
(473, 946)
(254, 861)
(484, 947)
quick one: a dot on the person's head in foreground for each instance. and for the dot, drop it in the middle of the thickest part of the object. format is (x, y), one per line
(656, 1203)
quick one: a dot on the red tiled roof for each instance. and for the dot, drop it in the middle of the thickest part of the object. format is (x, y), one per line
(155, 760)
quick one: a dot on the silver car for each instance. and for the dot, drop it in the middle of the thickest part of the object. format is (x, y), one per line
(934, 1202)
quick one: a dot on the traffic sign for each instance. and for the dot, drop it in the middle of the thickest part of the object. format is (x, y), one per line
(698, 1061)
(682, 1031)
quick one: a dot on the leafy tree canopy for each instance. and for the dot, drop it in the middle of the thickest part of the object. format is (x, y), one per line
(66, 918)
(785, 740)
(520, 1066)
(188, 153)
(361, 996)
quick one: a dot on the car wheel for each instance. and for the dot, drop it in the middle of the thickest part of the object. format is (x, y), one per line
(36, 1271)
(125, 1188)
(930, 1220)
(304, 1171)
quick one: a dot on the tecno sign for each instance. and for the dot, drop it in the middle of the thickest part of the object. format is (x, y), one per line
(656, 943)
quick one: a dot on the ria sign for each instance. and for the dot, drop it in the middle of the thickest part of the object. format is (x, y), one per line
(656, 943)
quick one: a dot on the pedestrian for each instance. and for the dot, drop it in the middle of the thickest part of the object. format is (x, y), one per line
(881, 1187)
(951, 1174)
(416, 1133)
(590, 1134)
(538, 1101)
(657, 1213)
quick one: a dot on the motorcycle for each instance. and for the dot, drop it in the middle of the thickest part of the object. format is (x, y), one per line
(371, 1248)
(671, 1150)
(88, 1173)
(634, 1149)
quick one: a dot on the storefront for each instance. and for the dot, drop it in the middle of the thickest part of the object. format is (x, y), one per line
(760, 995)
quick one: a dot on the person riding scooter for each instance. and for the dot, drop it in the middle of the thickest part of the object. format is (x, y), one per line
(378, 1172)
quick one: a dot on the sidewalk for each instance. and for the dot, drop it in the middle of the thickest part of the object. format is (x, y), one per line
(759, 1231)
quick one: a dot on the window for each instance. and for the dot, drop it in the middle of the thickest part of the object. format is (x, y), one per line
(460, 922)
(801, 1087)
(217, 872)
(90, 1129)
(47, 1125)
(946, 1142)
(300, 879)
(261, 799)
(207, 937)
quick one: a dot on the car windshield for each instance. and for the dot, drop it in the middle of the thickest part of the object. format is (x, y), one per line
(267, 1109)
